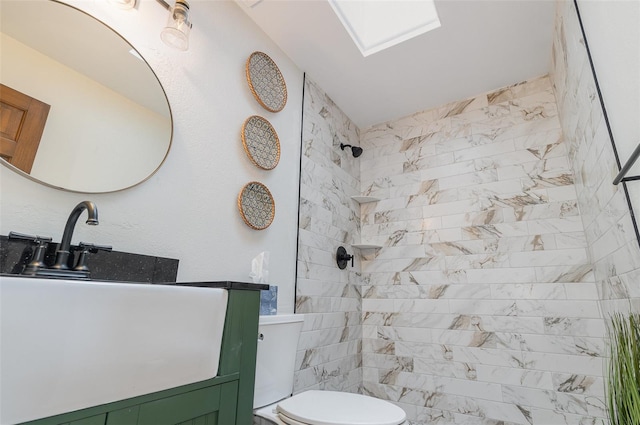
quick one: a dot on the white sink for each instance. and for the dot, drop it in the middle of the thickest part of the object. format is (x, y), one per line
(67, 345)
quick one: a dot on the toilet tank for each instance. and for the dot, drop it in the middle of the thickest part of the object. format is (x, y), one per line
(275, 361)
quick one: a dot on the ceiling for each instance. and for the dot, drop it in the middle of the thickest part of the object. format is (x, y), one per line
(482, 45)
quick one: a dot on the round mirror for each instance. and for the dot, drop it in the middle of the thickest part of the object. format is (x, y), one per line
(81, 109)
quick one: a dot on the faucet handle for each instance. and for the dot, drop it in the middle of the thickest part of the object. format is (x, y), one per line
(23, 237)
(85, 249)
(37, 259)
(93, 248)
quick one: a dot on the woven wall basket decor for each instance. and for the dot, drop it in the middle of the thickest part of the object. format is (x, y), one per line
(260, 142)
(256, 205)
(266, 82)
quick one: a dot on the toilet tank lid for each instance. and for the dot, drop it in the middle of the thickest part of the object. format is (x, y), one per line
(339, 408)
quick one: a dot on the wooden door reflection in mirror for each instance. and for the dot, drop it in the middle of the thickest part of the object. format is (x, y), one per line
(22, 120)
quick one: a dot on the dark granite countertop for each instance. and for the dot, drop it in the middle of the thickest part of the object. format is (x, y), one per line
(104, 265)
(224, 284)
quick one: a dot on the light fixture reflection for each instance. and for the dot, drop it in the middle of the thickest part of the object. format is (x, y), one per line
(176, 33)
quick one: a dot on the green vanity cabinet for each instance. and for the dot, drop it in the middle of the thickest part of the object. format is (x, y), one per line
(92, 420)
(226, 399)
(208, 406)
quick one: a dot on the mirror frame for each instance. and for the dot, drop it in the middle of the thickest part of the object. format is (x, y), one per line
(28, 176)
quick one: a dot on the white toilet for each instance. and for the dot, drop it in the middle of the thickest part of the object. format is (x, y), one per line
(277, 344)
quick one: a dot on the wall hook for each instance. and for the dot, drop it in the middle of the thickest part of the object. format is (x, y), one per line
(342, 258)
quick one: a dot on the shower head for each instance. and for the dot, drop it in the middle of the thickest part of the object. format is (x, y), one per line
(355, 150)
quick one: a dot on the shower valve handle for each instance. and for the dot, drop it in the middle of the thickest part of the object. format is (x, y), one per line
(342, 258)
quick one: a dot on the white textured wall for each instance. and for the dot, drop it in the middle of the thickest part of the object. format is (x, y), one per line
(187, 210)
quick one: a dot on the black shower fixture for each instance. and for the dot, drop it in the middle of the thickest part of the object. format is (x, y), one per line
(356, 150)
(342, 258)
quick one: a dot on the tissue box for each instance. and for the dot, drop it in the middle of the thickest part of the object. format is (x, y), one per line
(269, 301)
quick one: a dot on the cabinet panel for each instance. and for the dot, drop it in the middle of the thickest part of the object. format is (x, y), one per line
(240, 342)
(210, 419)
(93, 420)
(128, 416)
(180, 408)
(229, 404)
(214, 405)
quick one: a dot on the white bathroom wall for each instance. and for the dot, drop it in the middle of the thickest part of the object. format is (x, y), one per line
(187, 210)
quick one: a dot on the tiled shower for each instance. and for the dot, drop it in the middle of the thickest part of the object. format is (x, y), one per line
(503, 247)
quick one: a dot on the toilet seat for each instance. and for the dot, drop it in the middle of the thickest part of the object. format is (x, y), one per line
(337, 408)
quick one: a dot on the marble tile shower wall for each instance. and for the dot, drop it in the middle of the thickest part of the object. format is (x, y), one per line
(481, 306)
(610, 236)
(329, 352)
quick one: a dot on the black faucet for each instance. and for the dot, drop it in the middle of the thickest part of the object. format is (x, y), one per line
(62, 254)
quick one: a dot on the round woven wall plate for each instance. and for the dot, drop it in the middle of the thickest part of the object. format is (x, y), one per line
(260, 142)
(256, 205)
(266, 82)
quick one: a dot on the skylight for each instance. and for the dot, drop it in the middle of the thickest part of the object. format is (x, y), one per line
(375, 25)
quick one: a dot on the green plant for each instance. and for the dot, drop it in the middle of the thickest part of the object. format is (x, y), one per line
(623, 389)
